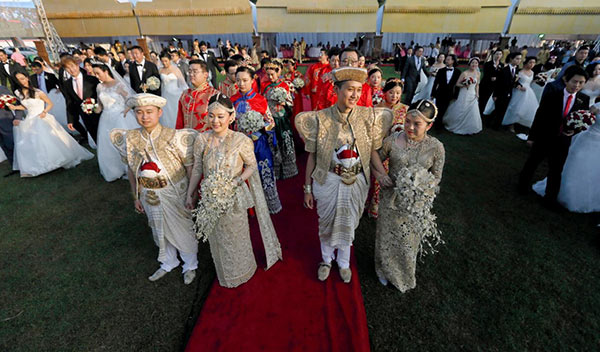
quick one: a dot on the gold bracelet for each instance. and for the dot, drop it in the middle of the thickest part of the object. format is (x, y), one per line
(307, 189)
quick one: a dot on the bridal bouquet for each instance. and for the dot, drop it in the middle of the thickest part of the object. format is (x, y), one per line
(298, 83)
(541, 78)
(217, 190)
(251, 122)
(414, 193)
(279, 95)
(89, 105)
(580, 120)
(467, 81)
(6, 99)
(152, 83)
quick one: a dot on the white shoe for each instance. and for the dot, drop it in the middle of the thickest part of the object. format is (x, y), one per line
(189, 276)
(157, 274)
(383, 280)
(323, 272)
(346, 275)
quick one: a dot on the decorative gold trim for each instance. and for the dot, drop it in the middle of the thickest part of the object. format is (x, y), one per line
(558, 10)
(432, 9)
(332, 11)
(227, 11)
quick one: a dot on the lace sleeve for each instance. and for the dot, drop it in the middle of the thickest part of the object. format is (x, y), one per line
(384, 152)
(198, 151)
(439, 158)
(247, 154)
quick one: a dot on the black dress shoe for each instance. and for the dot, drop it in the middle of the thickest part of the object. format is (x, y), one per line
(13, 172)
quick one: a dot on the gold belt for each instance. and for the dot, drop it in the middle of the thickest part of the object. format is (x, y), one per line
(153, 182)
(348, 175)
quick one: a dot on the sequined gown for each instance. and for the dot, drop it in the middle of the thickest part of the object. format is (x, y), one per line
(231, 247)
(397, 245)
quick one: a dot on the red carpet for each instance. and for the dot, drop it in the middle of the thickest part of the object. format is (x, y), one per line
(286, 308)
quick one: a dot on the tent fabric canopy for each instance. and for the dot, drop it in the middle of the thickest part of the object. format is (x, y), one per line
(553, 17)
(159, 17)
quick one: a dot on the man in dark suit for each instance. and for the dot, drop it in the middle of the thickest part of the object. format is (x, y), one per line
(411, 74)
(491, 71)
(8, 69)
(443, 88)
(549, 136)
(76, 89)
(6, 128)
(212, 63)
(140, 70)
(121, 64)
(180, 63)
(505, 83)
(102, 55)
(41, 80)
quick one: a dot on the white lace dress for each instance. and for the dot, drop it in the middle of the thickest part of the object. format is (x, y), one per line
(462, 116)
(113, 100)
(523, 104)
(42, 145)
(171, 89)
(579, 190)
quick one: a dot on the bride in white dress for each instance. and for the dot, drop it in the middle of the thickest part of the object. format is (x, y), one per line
(112, 94)
(462, 116)
(425, 92)
(173, 84)
(41, 144)
(523, 102)
(579, 191)
(592, 86)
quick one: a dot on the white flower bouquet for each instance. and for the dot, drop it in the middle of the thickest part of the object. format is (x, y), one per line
(278, 95)
(415, 192)
(251, 122)
(89, 105)
(152, 83)
(298, 83)
(218, 196)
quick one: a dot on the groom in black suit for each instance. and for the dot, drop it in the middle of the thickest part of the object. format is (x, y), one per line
(8, 70)
(505, 82)
(443, 88)
(76, 89)
(140, 70)
(6, 128)
(411, 74)
(211, 62)
(549, 136)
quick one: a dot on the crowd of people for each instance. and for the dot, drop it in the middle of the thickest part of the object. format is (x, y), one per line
(202, 157)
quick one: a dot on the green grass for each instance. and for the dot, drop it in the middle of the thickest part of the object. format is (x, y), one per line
(74, 258)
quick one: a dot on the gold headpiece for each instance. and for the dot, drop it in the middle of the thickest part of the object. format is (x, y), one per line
(216, 104)
(271, 66)
(146, 99)
(426, 103)
(349, 74)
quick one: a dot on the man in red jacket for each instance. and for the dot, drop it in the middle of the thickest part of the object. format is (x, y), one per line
(314, 76)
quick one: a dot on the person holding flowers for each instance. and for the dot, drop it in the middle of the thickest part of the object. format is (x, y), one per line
(280, 103)
(253, 117)
(340, 140)
(405, 226)
(462, 116)
(295, 80)
(41, 144)
(160, 161)
(231, 185)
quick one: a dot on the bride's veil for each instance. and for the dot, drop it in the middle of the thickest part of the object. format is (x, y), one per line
(121, 81)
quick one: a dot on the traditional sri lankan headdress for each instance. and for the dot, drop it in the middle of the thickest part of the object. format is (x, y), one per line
(217, 104)
(146, 99)
(343, 74)
(427, 104)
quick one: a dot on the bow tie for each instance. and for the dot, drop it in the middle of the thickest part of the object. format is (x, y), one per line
(139, 65)
(450, 69)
